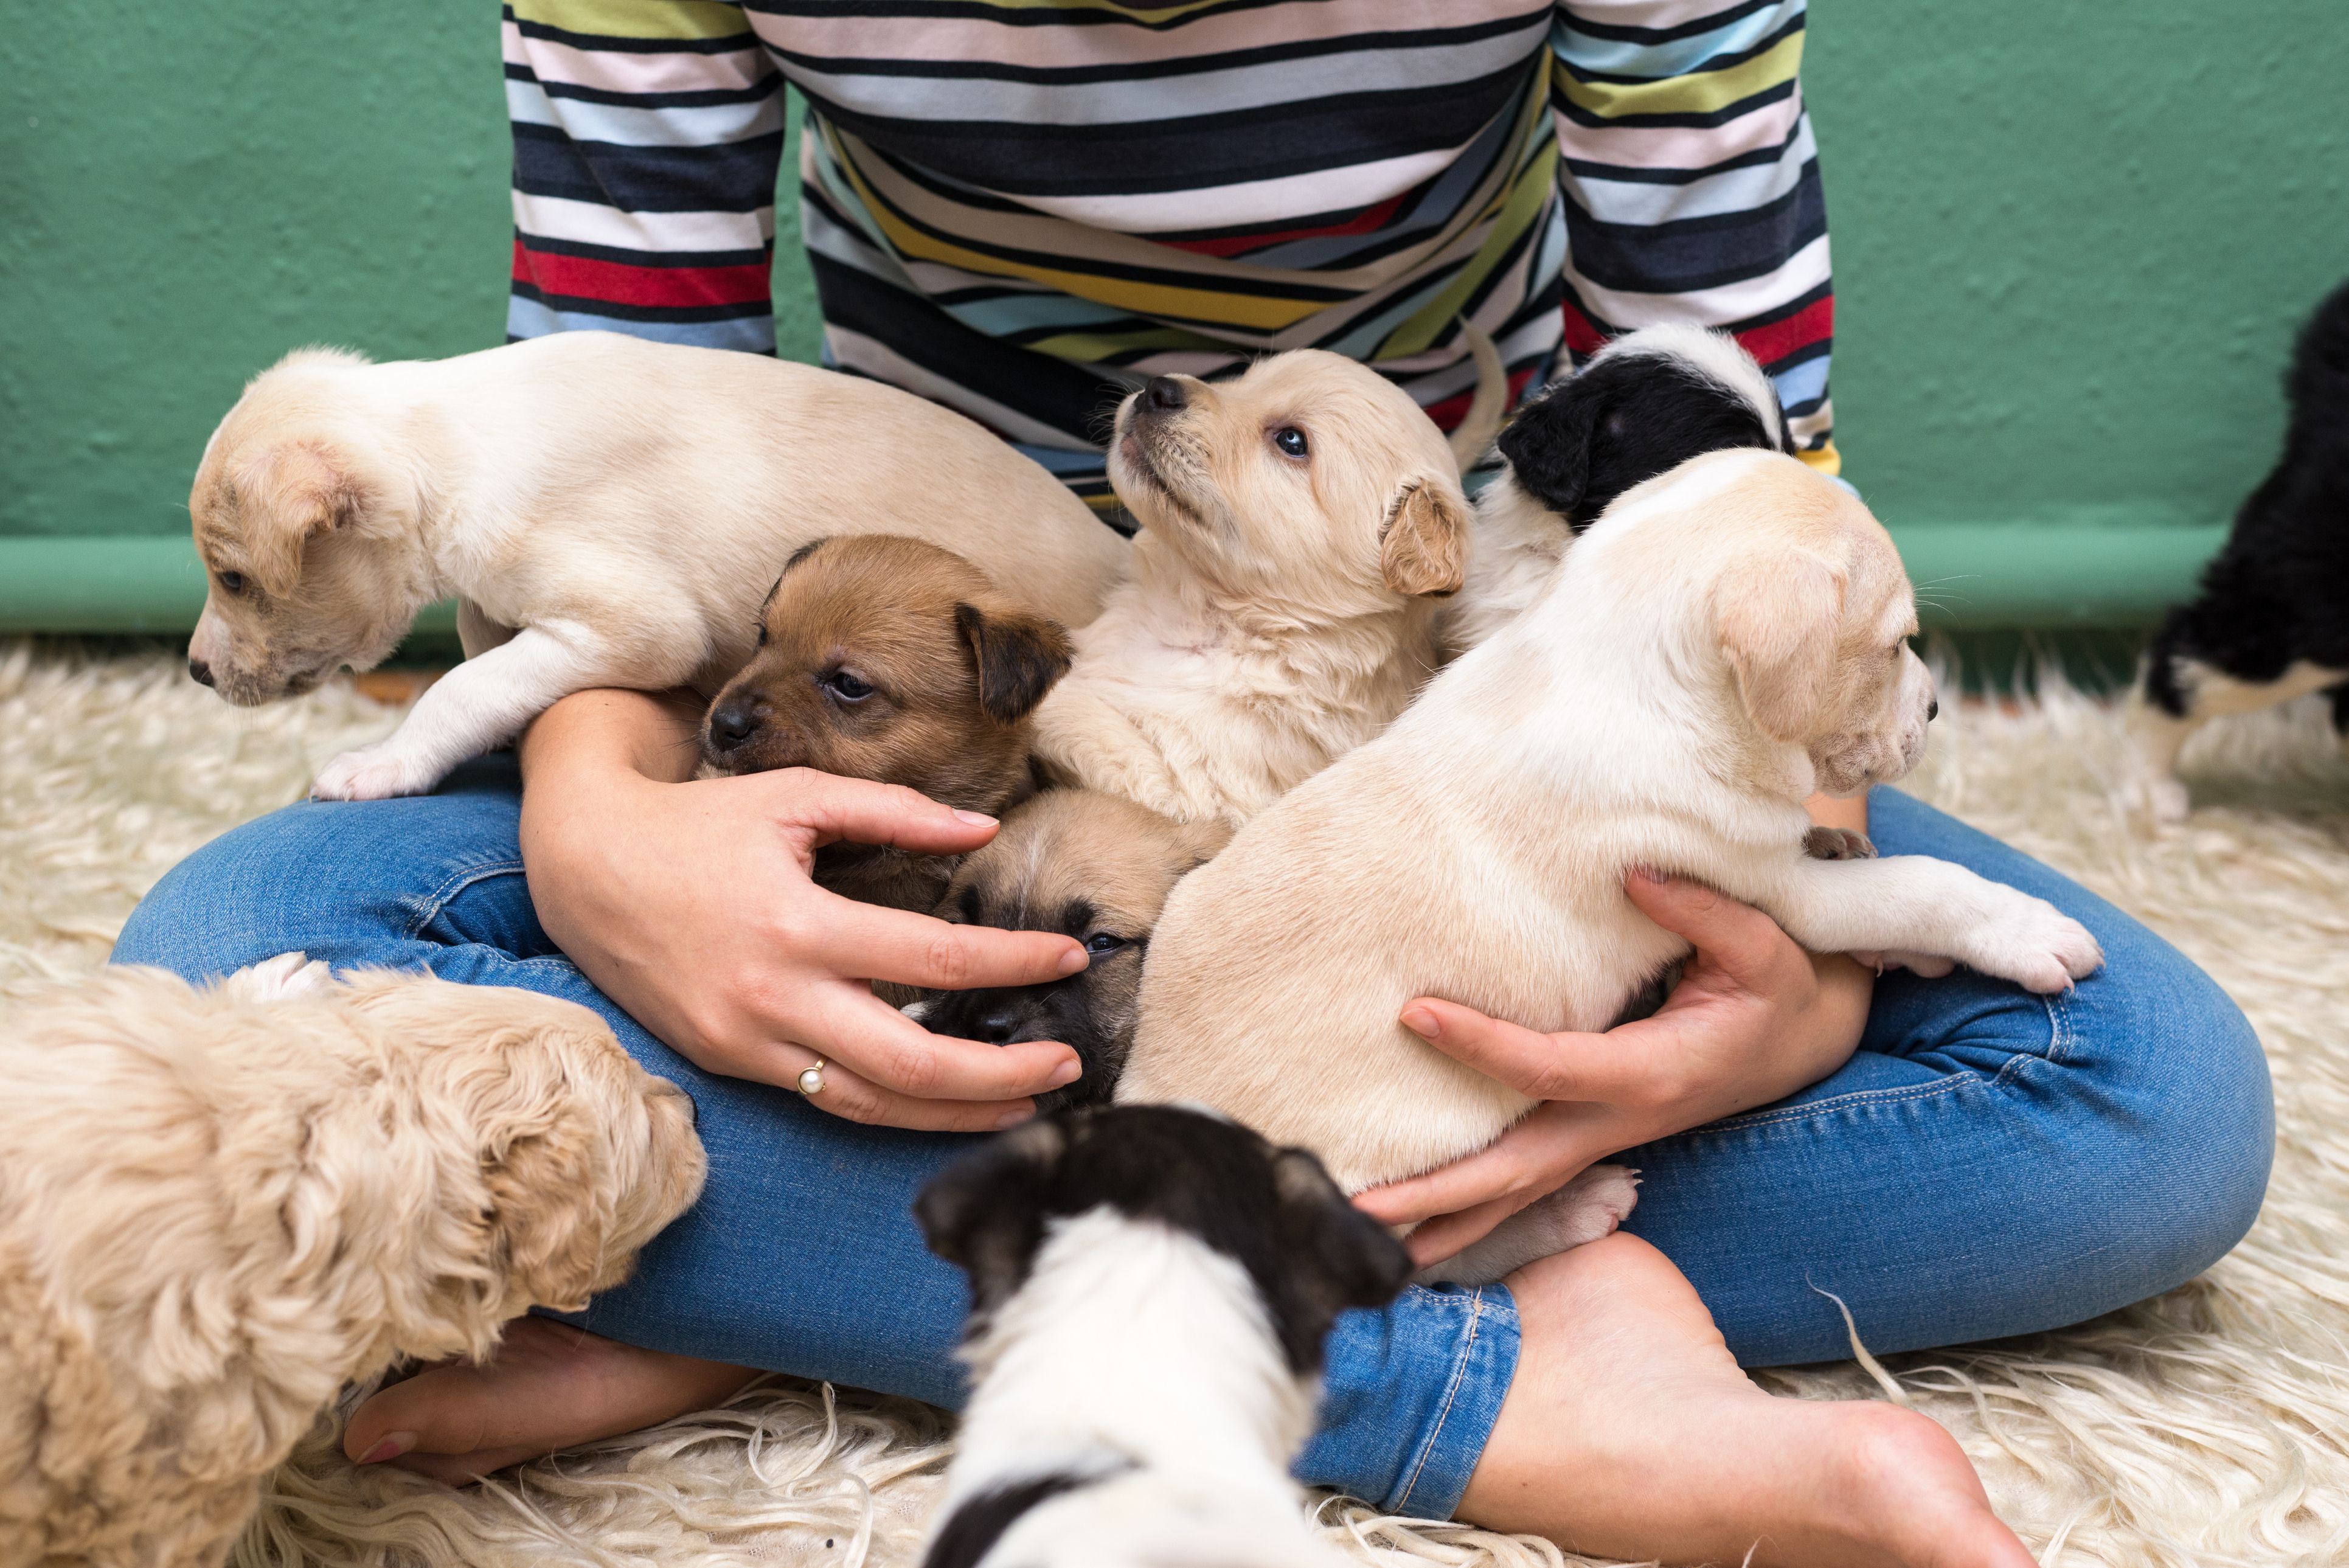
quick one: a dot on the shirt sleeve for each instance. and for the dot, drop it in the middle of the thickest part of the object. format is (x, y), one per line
(645, 138)
(1691, 184)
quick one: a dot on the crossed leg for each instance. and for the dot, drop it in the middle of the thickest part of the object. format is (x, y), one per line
(1629, 1431)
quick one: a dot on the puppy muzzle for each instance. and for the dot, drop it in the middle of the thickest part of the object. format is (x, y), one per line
(1146, 451)
(740, 737)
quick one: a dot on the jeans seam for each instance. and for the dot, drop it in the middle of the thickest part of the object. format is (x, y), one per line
(430, 906)
(1840, 1102)
(2059, 1027)
(1443, 1412)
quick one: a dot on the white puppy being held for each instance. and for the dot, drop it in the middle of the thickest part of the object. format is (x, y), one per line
(609, 510)
(1726, 641)
(1299, 526)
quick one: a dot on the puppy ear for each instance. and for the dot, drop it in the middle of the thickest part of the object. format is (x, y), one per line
(550, 1214)
(290, 494)
(1424, 547)
(1018, 658)
(1779, 617)
(1336, 1256)
(1549, 446)
(984, 1212)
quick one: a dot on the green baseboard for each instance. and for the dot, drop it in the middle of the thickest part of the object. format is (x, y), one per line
(138, 587)
(1969, 576)
(1975, 575)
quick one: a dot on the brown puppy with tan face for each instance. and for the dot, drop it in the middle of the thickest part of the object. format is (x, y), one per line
(1091, 866)
(887, 658)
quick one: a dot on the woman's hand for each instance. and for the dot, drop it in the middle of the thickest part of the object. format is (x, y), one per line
(1754, 1018)
(689, 904)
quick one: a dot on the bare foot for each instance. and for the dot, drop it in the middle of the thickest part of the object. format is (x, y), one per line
(549, 1386)
(1630, 1433)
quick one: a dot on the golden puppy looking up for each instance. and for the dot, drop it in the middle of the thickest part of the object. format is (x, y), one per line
(219, 1206)
(1299, 526)
(1726, 640)
(609, 510)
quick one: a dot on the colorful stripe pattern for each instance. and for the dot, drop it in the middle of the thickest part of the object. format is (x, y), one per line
(1023, 207)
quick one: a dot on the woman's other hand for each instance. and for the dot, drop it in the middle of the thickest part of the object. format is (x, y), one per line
(691, 905)
(1753, 1019)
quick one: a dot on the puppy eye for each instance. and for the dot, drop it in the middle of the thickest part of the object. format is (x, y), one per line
(1101, 942)
(844, 685)
(762, 635)
(1290, 440)
(232, 582)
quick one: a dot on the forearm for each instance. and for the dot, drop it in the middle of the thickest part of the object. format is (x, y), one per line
(591, 735)
(581, 761)
(658, 268)
(1640, 251)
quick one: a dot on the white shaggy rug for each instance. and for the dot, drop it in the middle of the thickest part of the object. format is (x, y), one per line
(2209, 1427)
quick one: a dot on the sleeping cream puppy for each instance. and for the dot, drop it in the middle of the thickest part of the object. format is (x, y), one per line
(1300, 525)
(1150, 1291)
(1088, 865)
(609, 509)
(886, 659)
(1724, 642)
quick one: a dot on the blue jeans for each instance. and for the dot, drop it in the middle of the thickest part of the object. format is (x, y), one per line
(1989, 1163)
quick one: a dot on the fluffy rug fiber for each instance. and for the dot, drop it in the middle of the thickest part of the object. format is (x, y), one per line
(2209, 1427)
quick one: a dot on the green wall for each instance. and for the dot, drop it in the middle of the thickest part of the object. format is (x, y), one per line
(2070, 244)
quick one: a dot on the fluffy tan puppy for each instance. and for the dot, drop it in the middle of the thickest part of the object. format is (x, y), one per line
(219, 1206)
(1299, 526)
(1724, 641)
(609, 510)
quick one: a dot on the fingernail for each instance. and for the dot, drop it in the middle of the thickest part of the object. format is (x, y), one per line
(1423, 1023)
(1073, 960)
(1012, 1119)
(1650, 873)
(1067, 1072)
(390, 1446)
(976, 819)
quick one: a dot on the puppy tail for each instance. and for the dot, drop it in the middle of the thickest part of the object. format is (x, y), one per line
(1474, 437)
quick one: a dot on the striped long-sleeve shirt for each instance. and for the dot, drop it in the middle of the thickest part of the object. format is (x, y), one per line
(1022, 208)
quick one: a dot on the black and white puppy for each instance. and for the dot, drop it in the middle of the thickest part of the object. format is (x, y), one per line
(1150, 1289)
(1645, 404)
(2272, 620)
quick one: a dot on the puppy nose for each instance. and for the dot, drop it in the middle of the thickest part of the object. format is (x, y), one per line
(996, 1025)
(731, 724)
(1932, 710)
(199, 672)
(1165, 393)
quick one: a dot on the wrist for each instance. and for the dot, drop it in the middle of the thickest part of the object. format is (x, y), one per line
(591, 733)
(1837, 812)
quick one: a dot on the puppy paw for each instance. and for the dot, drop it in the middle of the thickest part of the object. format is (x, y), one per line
(2039, 947)
(1585, 1209)
(287, 974)
(1591, 1205)
(1838, 844)
(375, 772)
